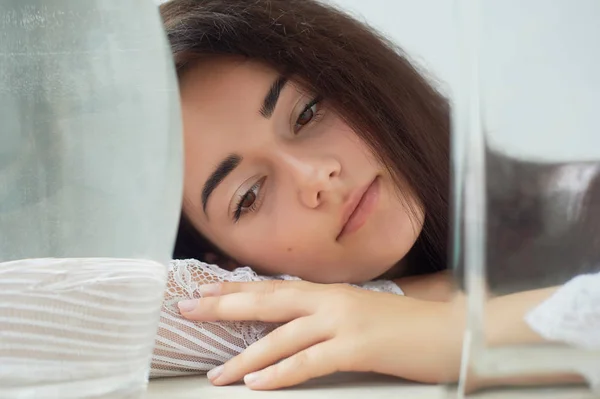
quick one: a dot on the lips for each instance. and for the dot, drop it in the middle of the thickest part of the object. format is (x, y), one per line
(358, 208)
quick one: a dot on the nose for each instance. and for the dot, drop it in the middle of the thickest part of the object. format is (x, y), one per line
(315, 178)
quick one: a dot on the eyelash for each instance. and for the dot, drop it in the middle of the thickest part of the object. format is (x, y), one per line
(239, 209)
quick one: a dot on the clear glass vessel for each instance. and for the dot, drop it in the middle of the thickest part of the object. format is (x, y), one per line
(90, 192)
(526, 164)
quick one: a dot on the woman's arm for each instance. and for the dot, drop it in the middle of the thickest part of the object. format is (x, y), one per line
(505, 316)
(437, 287)
(422, 338)
(506, 325)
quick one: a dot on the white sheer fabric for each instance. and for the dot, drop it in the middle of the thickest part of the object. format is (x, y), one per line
(572, 316)
(186, 347)
(75, 328)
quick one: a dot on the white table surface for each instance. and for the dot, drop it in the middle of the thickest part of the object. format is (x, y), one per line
(346, 386)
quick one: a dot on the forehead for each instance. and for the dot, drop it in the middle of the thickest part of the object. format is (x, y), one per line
(220, 101)
(225, 78)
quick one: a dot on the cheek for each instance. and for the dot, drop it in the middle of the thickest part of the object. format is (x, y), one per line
(286, 243)
(269, 247)
(348, 144)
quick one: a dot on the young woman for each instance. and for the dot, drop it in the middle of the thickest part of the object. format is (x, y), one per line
(313, 148)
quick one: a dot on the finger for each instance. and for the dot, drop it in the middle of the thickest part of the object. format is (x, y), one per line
(316, 361)
(281, 343)
(277, 307)
(227, 287)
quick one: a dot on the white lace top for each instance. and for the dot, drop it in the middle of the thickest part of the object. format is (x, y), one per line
(187, 347)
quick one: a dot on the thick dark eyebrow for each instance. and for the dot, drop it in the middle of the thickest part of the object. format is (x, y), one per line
(272, 97)
(223, 170)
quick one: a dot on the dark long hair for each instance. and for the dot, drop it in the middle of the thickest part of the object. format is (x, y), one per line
(366, 78)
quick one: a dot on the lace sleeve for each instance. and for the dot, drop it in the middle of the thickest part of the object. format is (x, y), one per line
(572, 316)
(187, 347)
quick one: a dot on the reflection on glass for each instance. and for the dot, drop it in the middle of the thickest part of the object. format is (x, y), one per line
(90, 174)
(526, 166)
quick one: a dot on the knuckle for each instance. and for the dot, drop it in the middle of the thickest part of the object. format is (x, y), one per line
(343, 299)
(274, 372)
(302, 359)
(346, 304)
(207, 309)
(274, 337)
(275, 285)
(299, 364)
(261, 298)
(215, 308)
(309, 360)
(225, 287)
(294, 292)
(260, 304)
(244, 362)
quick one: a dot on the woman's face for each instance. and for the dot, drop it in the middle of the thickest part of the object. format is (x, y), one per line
(277, 180)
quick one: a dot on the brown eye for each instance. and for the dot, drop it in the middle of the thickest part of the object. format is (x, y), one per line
(306, 116)
(248, 199)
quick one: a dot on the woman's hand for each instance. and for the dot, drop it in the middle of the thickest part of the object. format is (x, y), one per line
(330, 328)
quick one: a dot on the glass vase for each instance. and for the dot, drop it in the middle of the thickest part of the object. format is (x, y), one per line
(526, 176)
(90, 193)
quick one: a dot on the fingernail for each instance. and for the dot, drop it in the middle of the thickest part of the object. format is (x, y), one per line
(209, 289)
(252, 378)
(188, 305)
(215, 373)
